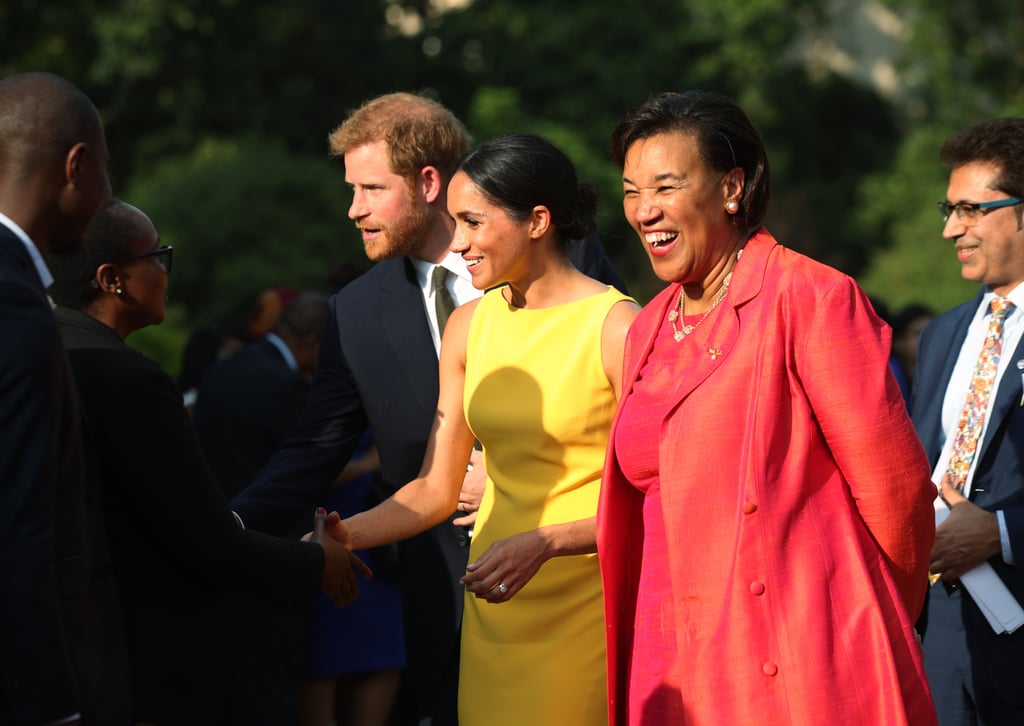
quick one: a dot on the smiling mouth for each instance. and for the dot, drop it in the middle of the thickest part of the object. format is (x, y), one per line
(660, 239)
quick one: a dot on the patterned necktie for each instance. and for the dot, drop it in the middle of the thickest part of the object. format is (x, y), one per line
(443, 301)
(972, 419)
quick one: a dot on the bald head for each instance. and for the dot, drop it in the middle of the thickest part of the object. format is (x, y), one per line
(41, 117)
(53, 158)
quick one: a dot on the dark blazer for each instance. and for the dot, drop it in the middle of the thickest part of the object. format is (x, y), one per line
(998, 484)
(174, 543)
(63, 652)
(378, 368)
(247, 405)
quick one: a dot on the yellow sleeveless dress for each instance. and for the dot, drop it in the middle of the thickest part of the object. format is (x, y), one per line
(538, 399)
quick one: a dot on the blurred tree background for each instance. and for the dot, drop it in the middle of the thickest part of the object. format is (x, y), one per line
(217, 114)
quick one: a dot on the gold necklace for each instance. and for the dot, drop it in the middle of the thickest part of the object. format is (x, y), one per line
(679, 310)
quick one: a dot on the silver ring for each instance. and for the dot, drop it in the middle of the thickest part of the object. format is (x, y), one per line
(501, 588)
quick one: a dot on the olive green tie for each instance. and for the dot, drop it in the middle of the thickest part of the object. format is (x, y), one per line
(443, 301)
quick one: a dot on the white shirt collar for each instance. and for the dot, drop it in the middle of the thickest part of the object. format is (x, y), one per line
(453, 263)
(286, 352)
(1016, 296)
(37, 259)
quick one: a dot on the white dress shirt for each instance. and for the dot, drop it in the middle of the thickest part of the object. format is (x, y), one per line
(460, 286)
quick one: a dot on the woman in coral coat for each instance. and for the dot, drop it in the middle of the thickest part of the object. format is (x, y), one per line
(765, 518)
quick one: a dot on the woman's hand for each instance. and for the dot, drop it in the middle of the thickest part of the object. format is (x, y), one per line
(506, 566)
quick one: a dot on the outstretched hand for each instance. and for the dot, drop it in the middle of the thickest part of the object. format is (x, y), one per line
(339, 579)
(337, 529)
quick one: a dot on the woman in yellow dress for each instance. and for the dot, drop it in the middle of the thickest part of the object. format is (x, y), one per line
(532, 371)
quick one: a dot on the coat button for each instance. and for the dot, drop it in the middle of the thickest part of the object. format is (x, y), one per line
(756, 588)
(769, 669)
(463, 540)
(749, 507)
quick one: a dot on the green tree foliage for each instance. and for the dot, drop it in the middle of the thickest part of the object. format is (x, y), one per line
(167, 73)
(855, 172)
(959, 66)
(571, 75)
(245, 216)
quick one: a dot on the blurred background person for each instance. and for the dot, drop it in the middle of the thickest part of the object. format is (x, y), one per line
(175, 545)
(248, 402)
(247, 405)
(907, 325)
(205, 346)
(532, 371)
(765, 516)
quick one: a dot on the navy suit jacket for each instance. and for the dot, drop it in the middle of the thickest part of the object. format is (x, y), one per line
(63, 649)
(998, 484)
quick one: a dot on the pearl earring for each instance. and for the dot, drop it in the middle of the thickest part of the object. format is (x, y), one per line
(732, 206)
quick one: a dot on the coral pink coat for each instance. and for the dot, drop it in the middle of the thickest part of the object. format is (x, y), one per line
(797, 508)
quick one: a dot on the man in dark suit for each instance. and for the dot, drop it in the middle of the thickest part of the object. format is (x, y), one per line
(968, 412)
(63, 655)
(378, 367)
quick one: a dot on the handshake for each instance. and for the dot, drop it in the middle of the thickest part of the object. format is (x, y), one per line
(340, 563)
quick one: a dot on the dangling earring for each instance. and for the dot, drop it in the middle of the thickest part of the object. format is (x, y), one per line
(732, 206)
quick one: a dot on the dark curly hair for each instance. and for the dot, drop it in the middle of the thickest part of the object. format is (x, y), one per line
(997, 141)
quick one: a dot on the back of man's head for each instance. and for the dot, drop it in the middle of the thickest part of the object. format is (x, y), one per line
(299, 327)
(996, 141)
(53, 158)
(41, 117)
(418, 132)
(303, 317)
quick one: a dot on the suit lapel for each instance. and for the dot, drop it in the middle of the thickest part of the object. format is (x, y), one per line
(403, 319)
(927, 412)
(1008, 396)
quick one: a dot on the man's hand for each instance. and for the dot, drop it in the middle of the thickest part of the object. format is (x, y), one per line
(338, 580)
(968, 536)
(472, 490)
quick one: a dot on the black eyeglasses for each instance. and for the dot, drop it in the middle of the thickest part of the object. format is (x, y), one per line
(970, 214)
(164, 257)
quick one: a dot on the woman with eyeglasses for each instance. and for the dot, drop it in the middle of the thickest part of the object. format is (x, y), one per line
(765, 517)
(174, 544)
